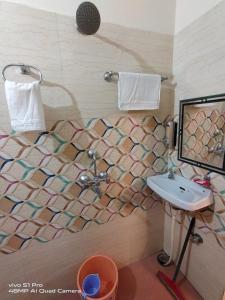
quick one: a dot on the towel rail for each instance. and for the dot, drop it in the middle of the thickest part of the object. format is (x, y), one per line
(109, 76)
(25, 69)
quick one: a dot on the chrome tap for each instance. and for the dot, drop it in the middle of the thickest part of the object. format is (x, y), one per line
(171, 173)
(95, 181)
(219, 147)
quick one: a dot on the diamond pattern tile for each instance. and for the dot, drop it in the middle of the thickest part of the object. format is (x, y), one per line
(200, 134)
(40, 194)
(213, 220)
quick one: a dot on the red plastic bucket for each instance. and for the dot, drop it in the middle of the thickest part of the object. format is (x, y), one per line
(108, 272)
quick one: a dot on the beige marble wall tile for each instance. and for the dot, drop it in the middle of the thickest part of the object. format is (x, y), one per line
(30, 36)
(73, 65)
(198, 59)
(198, 68)
(203, 264)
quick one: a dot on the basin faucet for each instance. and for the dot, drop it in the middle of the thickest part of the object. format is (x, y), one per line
(171, 172)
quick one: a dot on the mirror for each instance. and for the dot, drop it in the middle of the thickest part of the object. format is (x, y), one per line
(202, 132)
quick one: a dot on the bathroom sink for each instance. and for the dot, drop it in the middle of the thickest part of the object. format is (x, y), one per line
(181, 192)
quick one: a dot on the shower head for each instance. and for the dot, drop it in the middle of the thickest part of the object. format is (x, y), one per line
(88, 18)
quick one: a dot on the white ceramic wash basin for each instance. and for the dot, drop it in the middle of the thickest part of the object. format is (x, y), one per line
(181, 192)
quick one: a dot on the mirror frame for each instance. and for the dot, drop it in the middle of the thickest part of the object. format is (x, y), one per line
(193, 101)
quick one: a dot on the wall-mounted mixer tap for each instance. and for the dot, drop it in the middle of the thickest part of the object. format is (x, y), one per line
(219, 148)
(94, 182)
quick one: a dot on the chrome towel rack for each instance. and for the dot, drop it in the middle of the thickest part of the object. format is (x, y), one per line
(25, 70)
(109, 76)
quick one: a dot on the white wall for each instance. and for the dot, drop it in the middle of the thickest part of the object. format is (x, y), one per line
(188, 11)
(151, 15)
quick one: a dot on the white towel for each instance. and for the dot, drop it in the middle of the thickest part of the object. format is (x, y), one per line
(25, 106)
(138, 91)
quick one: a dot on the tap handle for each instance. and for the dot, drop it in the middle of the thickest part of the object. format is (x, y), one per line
(92, 154)
(85, 179)
(104, 176)
(207, 176)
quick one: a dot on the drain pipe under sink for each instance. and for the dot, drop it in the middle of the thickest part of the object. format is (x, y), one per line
(164, 258)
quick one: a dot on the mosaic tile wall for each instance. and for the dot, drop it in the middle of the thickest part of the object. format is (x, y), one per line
(212, 221)
(203, 130)
(41, 196)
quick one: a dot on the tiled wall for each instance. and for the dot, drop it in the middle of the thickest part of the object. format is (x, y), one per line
(204, 128)
(204, 263)
(41, 196)
(198, 71)
(73, 65)
(210, 221)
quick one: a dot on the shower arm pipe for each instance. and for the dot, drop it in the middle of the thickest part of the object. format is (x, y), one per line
(109, 76)
(92, 155)
(25, 69)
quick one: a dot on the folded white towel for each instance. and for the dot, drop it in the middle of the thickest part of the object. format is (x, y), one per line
(25, 106)
(138, 91)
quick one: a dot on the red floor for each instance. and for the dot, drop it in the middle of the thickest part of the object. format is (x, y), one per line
(139, 282)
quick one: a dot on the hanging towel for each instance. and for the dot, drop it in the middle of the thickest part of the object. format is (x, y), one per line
(138, 91)
(25, 106)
